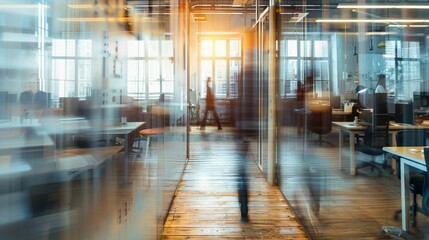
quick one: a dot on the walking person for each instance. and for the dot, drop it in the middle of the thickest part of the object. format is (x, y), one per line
(210, 106)
(242, 180)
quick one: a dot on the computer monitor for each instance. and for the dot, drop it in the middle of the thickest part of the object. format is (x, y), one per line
(404, 112)
(365, 98)
(335, 102)
(70, 106)
(379, 103)
(424, 99)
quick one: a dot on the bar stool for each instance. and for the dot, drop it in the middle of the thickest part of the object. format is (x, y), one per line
(145, 135)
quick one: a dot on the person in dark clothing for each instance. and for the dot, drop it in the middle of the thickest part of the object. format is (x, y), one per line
(242, 181)
(210, 106)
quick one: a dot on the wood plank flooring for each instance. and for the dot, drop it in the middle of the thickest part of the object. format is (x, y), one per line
(332, 204)
(206, 205)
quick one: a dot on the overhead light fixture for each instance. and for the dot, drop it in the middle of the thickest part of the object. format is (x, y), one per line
(83, 6)
(200, 18)
(218, 33)
(372, 20)
(380, 33)
(382, 6)
(95, 6)
(371, 47)
(242, 2)
(299, 17)
(108, 19)
(381, 44)
(404, 26)
(22, 6)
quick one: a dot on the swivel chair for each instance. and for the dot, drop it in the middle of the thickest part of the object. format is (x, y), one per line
(375, 138)
(420, 185)
(320, 120)
(417, 178)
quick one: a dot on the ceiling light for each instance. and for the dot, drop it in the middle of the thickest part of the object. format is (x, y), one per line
(380, 33)
(403, 26)
(95, 6)
(22, 6)
(242, 2)
(383, 6)
(200, 18)
(299, 17)
(372, 20)
(108, 19)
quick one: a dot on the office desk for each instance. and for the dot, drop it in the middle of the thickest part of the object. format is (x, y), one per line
(408, 158)
(302, 115)
(128, 131)
(352, 130)
(340, 115)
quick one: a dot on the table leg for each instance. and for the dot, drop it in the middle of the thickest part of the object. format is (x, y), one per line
(405, 195)
(126, 153)
(352, 154)
(340, 148)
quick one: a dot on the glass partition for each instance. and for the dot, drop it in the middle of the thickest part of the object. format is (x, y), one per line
(329, 52)
(92, 94)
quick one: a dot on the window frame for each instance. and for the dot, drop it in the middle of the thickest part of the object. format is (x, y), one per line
(229, 58)
(76, 58)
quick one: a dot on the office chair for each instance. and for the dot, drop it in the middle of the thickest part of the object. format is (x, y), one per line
(420, 185)
(320, 120)
(412, 138)
(157, 119)
(376, 137)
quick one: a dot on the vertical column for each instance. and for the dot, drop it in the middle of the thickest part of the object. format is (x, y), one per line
(272, 96)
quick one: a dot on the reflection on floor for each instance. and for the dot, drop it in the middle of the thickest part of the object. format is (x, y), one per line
(206, 205)
(331, 203)
(93, 207)
(328, 202)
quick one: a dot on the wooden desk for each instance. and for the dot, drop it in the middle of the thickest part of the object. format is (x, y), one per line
(340, 115)
(303, 113)
(410, 156)
(352, 130)
(129, 131)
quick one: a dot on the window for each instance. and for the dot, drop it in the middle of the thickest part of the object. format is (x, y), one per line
(71, 68)
(150, 68)
(302, 59)
(403, 68)
(221, 60)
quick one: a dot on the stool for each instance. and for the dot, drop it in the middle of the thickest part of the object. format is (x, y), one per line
(145, 134)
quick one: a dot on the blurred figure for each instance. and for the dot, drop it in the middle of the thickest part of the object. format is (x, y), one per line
(210, 106)
(381, 84)
(34, 98)
(242, 178)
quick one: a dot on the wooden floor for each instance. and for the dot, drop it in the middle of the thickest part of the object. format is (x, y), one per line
(206, 205)
(332, 204)
(327, 202)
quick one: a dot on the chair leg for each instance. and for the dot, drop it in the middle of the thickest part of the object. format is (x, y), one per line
(147, 148)
(414, 211)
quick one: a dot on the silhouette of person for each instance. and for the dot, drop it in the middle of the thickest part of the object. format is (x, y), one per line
(381, 84)
(242, 181)
(34, 98)
(210, 106)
